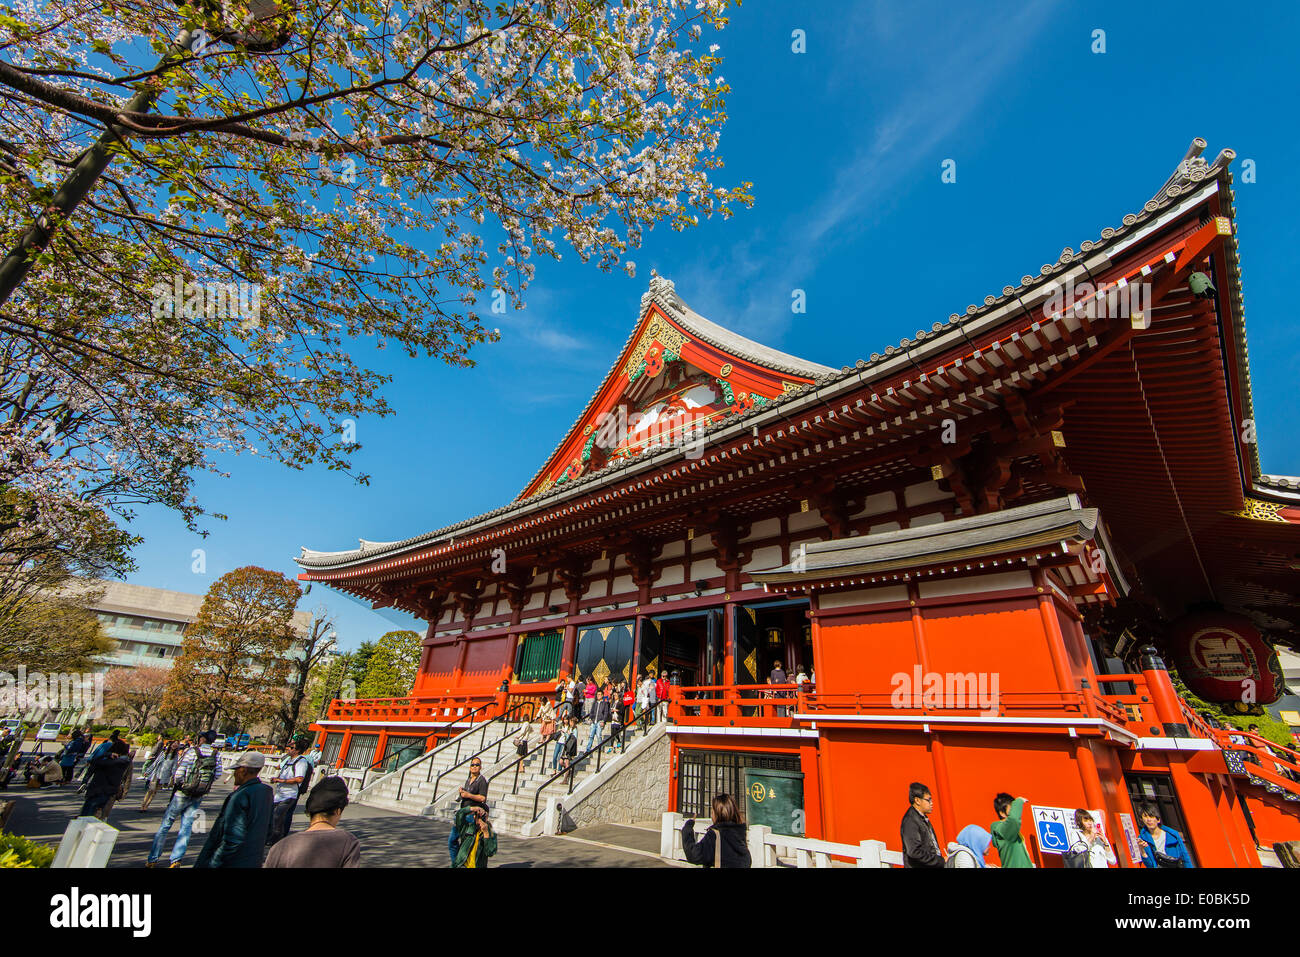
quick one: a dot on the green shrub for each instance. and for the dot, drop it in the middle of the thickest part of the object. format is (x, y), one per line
(148, 739)
(18, 851)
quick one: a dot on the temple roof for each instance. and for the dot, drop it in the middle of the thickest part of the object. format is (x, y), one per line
(1193, 182)
(1038, 525)
(662, 300)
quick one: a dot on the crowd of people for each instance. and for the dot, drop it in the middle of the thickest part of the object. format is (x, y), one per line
(1161, 846)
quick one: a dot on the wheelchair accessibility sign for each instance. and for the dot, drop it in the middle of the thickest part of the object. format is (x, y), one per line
(1054, 828)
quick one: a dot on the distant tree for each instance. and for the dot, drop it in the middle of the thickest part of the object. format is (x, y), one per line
(137, 693)
(316, 644)
(327, 683)
(234, 659)
(46, 621)
(53, 634)
(390, 672)
(360, 663)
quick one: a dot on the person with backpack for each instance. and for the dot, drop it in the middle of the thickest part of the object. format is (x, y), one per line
(238, 838)
(196, 769)
(291, 781)
(1006, 831)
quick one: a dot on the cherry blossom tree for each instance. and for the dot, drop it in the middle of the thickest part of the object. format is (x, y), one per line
(206, 208)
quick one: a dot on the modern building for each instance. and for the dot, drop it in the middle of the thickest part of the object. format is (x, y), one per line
(149, 624)
(983, 544)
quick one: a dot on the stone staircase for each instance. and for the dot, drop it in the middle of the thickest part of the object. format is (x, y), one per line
(511, 812)
(417, 788)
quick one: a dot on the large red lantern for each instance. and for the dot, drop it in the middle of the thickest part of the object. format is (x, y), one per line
(1222, 658)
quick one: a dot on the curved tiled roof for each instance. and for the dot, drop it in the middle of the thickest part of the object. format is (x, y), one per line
(1193, 173)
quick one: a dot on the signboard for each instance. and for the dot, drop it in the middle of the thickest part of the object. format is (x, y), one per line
(1222, 658)
(1131, 837)
(1055, 831)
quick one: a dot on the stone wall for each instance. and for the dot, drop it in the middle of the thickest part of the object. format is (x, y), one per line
(639, 792)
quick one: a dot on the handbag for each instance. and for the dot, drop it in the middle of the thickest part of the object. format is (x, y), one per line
(1077, 858)
(1164, 860)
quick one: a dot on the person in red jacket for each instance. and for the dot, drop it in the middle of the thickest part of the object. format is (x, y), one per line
(661, 690)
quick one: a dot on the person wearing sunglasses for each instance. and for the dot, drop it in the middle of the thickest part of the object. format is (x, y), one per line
(473, 794)
(920, 846)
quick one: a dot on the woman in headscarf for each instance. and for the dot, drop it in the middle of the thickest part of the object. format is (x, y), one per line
(970, 847)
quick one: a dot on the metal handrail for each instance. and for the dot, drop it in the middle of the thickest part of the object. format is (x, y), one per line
(505, 716)
(523, 759)
(436, 731)
(599, 748)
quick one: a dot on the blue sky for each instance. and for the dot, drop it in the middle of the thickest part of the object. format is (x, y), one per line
(844, 145)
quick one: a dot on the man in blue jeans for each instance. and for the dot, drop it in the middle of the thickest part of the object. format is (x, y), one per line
(181, 805)
(473, 794)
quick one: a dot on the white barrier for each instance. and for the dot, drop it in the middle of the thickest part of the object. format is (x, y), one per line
(765, 847)
(88, 842)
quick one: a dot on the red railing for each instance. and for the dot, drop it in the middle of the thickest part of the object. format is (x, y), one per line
(774, 705)
(768, 704)
(437, 708)
(1275, 760)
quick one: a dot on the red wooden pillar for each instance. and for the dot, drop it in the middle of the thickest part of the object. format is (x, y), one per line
(343, 748)
(462, 653)
(812, 791)
(1093, 793)
(729, 611)
(1052, 631)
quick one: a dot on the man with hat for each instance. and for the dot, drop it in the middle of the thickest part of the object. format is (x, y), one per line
(324, 843)
(238, 838)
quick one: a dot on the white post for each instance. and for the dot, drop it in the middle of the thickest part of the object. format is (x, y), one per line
(87, 842)
(802, 858)
(672, 823)
(758, 835)
(551, 817)
(871, 854)
(821, 859)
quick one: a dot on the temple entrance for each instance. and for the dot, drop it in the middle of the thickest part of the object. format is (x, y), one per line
(770, 633)
(686, 645)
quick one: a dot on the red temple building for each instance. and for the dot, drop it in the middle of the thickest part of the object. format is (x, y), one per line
(982, 543)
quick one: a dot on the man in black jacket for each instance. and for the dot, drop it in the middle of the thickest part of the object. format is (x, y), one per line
(106, 772)
(920, 846)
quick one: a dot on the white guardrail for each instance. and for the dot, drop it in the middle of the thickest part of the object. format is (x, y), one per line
(765, 847)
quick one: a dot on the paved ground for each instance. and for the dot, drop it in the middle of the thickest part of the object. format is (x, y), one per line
(388, 839)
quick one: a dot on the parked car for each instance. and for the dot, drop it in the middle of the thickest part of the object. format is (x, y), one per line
(48, 731)
(220, 742)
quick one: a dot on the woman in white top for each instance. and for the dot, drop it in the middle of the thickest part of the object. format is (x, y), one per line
(1100, 853)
